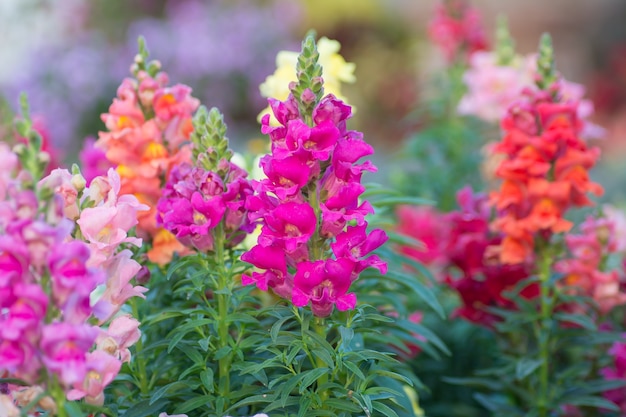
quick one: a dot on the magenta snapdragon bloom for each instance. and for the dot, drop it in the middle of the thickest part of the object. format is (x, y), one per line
(65, 347)
(306, 251)
(93, 161)
(617, 371)
(195, 201)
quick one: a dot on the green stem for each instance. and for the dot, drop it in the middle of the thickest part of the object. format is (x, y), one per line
(320, 328)
(57, 393)
(223, 299)
(545, 325)
(139, 358)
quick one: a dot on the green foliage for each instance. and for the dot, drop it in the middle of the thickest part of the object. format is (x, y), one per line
(444, 153)
(33, 159)
(513, 384)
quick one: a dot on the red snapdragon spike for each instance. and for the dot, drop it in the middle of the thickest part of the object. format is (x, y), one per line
(545, 173)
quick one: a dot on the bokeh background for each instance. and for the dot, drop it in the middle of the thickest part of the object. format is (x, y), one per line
(70, 55)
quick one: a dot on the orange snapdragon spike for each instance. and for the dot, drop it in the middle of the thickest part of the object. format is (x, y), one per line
(148, 125)
(545, 173)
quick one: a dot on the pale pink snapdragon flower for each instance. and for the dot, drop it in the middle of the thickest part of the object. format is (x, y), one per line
(101, 369)
(122, 332)
(493, 87)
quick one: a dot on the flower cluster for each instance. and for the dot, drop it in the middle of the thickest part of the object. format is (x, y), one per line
(50, 270)
(148, 125)
(586, 271)
(456, 28)
(544, 173)
(309, 206)
(195, 201)
(461, 244)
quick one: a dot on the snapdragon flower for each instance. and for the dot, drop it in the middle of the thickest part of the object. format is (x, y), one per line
(313, 242)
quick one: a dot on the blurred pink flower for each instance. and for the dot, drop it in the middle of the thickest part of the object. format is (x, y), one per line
(65, 347)
(101, 368)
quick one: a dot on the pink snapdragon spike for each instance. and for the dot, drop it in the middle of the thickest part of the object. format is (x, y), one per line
(308, 251)
(59, 241)
(584, 271)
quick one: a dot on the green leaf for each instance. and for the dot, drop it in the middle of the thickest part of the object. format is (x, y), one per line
(222, 352)
(579, 319)
(192, 354)
(145, 409)
(385, 410)
(525, 367)
(324, 355)
(73, 409)
(488, 383)
(344, 405)
(312, 376)
(172, 387)
(422, 291)
(206, 377)
(354, 369)
(590, 401)
(252, 400)
(193, 403)
(346, 337)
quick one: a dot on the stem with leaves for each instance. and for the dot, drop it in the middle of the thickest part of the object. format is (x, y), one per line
(223, 301)
(544, 330)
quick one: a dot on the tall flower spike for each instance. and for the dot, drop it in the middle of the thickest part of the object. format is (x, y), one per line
(545, 63)
(210, 144)
(310, 199)
(505, 45)
(309, 89)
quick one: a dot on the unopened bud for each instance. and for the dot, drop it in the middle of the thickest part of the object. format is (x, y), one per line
(307, 96)
(79, 182)
(143, 276)
(43, 157)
